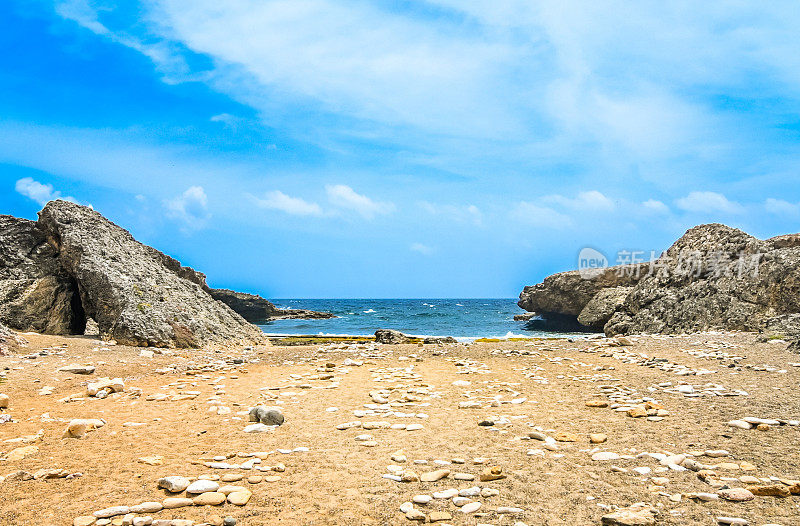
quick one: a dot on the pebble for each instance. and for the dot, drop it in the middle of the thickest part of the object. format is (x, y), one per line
(471, 507)
(415, 515)
(174, 484)
(111, 512)
(147, 507)
(202, 486)
(421, 499)
(239, 498)
(211, 498)
(736, 494)
(732, 521)
(605, 455)
(171, 503)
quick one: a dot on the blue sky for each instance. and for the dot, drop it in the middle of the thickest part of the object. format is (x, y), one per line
(443, 148)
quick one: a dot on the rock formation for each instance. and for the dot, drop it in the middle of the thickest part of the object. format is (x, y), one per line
(36, 293)
(73, 264)
(714, 277)
(9, 341)
(390, 336)
(256, 309)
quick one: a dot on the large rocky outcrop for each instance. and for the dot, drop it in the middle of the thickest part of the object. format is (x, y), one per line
(714, 277)
(256, 309)
(137, 295)
(36, 293)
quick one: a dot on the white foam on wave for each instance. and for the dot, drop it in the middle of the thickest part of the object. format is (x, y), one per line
(369, 311)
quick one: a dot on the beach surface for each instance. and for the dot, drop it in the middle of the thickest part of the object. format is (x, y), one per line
(335, 461)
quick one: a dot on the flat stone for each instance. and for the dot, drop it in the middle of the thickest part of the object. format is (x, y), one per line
(471, 507)
(147, 507)
(629, 517)
(433, 476)
(170, 503)
(736, 494)
(84, 520)
(597, 438)
(202, 486)
(436, 516)
(421, 499)
(111, 512)
(770, 490)
(78, 369)
(211, 498)
(239, 498)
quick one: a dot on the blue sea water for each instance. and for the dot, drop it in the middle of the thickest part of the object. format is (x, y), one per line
(460, 318)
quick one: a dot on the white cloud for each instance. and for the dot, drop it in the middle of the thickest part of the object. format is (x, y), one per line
(191, 208)
(40, 192)
(422, 249)
(590, 201)
(654, 205)
(781, 207)
(702, 202)
(342, 196)
(542, 216)
(277, 200)
(461, 213)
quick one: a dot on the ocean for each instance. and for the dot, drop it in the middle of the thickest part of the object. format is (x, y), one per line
(461, 318)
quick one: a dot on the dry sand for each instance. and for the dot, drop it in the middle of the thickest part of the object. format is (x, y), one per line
(339, 481)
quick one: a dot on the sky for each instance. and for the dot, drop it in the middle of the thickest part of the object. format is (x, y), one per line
(383, 149)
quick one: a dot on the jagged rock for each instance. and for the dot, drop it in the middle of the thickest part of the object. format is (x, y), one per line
(713, 277)
(10, 341)
(256, 309)
(137, 295)
(390, 336)
(36, 294)
(440, 339)
(569, 292)
(602, 306)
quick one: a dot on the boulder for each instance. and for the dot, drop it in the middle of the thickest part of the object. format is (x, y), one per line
(270, 416)
(36, 293)
(713, 277)
(10, 341)
(137, 295)
(390, 336)
(439, 339)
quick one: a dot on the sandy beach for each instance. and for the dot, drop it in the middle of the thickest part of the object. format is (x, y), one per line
(184, 413)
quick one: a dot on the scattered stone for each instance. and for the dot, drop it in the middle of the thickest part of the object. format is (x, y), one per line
(433, 476)
(271, 416)
(174, 484)
(493, 473)
(736, 494)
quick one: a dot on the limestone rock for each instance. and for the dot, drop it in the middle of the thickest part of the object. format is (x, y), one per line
(713, 277)
(256, 309)
(137, 295)
(390, 336)
(36, 293)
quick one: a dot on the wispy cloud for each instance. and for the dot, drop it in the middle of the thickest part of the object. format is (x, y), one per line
(425, 250)
(782, 208)
(190, 208)
(460, 213)
(653, 205)
(591, 200)
(277, 200)
(708, 202)
(532, 214)
(40, 192)
(343, 197)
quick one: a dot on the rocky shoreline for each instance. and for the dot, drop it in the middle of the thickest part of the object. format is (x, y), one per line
(73, 266)
(714, 277)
